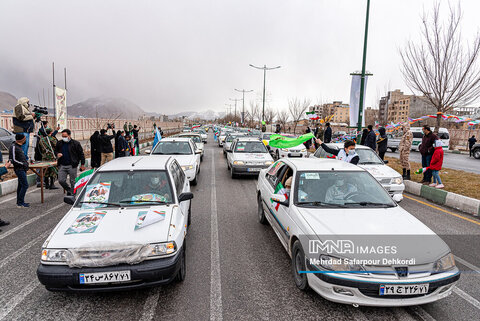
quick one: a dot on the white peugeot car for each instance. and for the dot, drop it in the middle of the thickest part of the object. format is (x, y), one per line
(348, 239)
(125, 230)
(247, 156)
(390, 179)
(229, 140)
(296, 151)
(197, 139)
(184, 151)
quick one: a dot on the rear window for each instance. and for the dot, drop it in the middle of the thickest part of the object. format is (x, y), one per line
(417, 134)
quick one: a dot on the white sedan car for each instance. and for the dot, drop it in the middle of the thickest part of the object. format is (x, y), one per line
(296, 151)
(390, 179)
(197, 139)
(184, 151)
(348, 240)
(126, 229)
(247, 156)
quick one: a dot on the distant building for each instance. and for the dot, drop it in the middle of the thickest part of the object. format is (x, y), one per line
(397, 107)
(340, 112)
(465, 111)
(371, 115)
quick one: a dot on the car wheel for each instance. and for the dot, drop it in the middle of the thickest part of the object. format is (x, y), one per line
(232, 173)
(228, 165)
(182, 272)
(195, 180)
(298, 264)
(261, 213)
(189, 219)
(476, 153)
(393, 150)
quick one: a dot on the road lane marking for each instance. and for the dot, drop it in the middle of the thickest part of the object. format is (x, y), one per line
(467, 297)
(150, 305)
(467, 264)
(33, 219)
(14, 197)
(442, 210)
(19, 252)
(17, 299)
(216, 312)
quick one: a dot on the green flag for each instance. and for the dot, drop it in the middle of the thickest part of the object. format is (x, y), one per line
(279, 141)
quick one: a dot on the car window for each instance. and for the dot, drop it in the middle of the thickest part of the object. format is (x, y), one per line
(339, 188)
(274, 172)
(4, 133)
(368, 156)
(250, 147)
(417, 134)
(172, 148)
(179, 177)
(126, 188)
(443, 136)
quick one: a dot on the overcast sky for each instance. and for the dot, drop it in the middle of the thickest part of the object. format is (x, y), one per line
(172, 56)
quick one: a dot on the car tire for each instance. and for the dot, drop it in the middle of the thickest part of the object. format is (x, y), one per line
(393, 150)
(228, 165)
(182, 272)
(298, 264)
(476, 153)
(189, 218)
(195, 181)
(261, 213)
(232, 174)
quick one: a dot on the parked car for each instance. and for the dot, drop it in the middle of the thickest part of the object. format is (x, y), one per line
(184, 151)
(390, 179)
(247, 156)
(393, 142)
(348, 240)
(7, 138)
(476, 151)
(443, 134)
(125, 230)
(202, 133)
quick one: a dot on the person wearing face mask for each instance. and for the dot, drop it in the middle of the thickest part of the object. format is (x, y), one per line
(20, 165)
(69, 155)
(338, 191)
(157, 184)
(346, 154)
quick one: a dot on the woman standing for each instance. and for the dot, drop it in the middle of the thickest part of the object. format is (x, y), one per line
(382, 142)
(96, 150)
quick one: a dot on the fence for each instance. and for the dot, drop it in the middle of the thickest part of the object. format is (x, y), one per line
(459, 137)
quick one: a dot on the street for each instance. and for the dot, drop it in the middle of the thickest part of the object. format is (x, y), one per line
(454, 161)
(236, 268)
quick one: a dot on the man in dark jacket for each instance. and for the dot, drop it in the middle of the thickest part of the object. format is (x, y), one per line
(328, 134)
(107, 148)
(382, 142)
(471, 141)
(17, 157)
(95, 150)
(371, 140)
(69, 155)
(135, 131)
(122, 145)
(426, 149)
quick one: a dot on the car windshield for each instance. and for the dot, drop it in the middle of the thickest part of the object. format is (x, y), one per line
(367, 156)
(230, 138)
(172, 148)
(340, 189)
(250, 147)
(195, 138)
(126, 188)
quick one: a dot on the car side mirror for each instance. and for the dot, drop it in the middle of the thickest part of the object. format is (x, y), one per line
(70, 199)
(185, 196)
(385, 161)
(279, 198)
(148, 151)
(397, 197)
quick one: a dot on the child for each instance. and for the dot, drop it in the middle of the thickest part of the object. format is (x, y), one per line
(436, 164)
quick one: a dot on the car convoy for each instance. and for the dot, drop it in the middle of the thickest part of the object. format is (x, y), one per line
(127, 227)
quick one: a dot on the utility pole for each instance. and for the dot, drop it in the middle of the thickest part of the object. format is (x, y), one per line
(264, 68)
(243, 91)
(229, 110)
(235, 113)
(362, 80)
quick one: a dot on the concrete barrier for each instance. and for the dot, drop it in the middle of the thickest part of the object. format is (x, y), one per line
(462, 203)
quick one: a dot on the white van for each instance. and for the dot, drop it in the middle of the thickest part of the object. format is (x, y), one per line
(418, 135)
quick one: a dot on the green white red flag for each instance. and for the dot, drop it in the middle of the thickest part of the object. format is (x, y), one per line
(82, 179)
(280, 189)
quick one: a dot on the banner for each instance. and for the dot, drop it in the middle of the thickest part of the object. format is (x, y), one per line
(61, 107)
(355, 100)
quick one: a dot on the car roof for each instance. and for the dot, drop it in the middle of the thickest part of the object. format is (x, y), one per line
(175, 139)
(187, 134)
(156, 162)
(340, 145)
(324, 164)
(247, 139)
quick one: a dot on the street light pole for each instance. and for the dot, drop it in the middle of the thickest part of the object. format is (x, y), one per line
(264, 68)
(362, 80)
(243, 91)
(235, 113)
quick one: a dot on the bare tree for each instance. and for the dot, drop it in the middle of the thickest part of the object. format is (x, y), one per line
(440, 66)
(297, 109)
(282, 117)
(269, 115)
(254, 112)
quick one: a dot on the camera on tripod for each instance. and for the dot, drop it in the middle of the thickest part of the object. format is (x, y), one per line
(39, 112)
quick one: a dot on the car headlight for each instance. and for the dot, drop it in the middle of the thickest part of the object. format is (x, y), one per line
(268, 163)
(187, 167)
(397, 180)
(159, 249)
(284, 149)
(238, 163)
(444, 264)
(54, 255)
(333, 263)
(304, 150)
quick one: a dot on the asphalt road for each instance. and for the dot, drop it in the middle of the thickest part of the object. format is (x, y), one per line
(454, 161)
(236, 268)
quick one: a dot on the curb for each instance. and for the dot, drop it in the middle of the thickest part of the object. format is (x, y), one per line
(10, 186)
(462, 203)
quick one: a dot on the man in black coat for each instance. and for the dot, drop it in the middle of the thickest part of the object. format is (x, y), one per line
(327, 136)
(426, 149)
(70, 155)
(371, 140)
(19, 161)
(471, 141)
(106, 143)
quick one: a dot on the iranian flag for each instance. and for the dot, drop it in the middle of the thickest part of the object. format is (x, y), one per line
(135, 150)
(280, 189)
(82, 180)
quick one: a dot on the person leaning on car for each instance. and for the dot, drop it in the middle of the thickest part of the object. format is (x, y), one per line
(427, 149)
(69, 154)
(346, 154)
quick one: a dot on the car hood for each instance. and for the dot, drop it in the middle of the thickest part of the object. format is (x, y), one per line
(252, 156)
(185, 159)
(380, 171)
(301, 146)
(117, 226)
(377, 225)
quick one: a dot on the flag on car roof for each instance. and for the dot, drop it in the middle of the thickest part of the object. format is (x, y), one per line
(82, 179)
(279, 141)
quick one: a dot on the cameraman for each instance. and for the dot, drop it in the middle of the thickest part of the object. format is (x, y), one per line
(23, 121)
(106, 144)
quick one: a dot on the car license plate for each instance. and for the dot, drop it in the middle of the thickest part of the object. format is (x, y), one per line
(104, 277)
(253, 169)
(403, 289)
